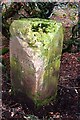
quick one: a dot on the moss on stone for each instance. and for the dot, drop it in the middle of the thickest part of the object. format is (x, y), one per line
(45, 39)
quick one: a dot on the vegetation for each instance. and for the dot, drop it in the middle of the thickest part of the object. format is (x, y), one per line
(40, 10)
(73, 44)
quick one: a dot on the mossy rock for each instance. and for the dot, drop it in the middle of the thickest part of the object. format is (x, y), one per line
(35, 57)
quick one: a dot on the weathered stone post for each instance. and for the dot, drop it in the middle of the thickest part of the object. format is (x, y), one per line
(35, 52)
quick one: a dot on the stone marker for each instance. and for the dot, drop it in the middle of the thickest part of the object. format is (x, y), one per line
(35, 52)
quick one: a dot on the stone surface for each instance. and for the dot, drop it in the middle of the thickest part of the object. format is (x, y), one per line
(68, 17)
(35, 51)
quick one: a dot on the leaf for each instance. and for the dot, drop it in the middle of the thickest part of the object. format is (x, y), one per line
(3, 51)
